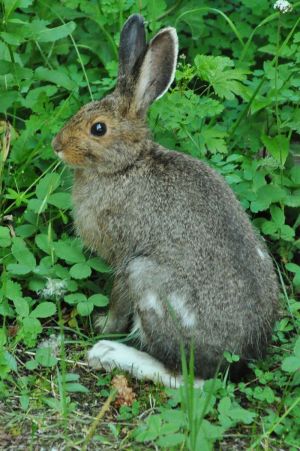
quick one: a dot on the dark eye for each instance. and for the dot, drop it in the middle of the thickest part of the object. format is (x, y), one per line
(98, 129)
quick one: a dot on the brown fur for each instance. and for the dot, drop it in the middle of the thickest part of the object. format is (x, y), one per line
(169, 225)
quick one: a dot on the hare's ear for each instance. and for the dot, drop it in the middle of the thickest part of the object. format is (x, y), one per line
(157, 70)
(132, 48)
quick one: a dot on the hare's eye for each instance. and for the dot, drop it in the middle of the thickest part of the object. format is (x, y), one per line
(98, 129)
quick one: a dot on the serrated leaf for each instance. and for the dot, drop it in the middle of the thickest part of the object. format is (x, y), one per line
(31, 328)
(11, 361)
(277, 215)
(171, 440)
(217, 70)
(269, 228)
(69, 251)
(13, 290)
(18, 269)
(99, 265)
(21, 306)
(213, 140)
(287, 233)
(278, 147)
(266, 195)
(5, 239)
(45, 357)
(22, 254)
(44, 310)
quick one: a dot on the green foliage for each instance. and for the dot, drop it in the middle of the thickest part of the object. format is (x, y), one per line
(235, 104)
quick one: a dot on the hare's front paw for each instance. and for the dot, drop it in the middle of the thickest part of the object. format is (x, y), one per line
(101, 355)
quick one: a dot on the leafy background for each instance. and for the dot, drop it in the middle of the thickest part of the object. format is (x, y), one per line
(235, 104)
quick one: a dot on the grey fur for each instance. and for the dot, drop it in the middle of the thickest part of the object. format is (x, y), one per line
(174, 232)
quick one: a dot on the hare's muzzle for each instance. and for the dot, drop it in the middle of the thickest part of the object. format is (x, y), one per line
(57, 146)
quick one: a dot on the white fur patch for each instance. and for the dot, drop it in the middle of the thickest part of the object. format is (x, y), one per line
(138, 270)
(150, 301)
(182, 311)
(109, 355)
(260, 253)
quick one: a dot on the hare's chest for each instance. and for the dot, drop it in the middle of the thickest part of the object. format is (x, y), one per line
(96, 221)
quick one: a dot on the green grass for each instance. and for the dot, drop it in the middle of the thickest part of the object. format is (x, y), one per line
(235, 104)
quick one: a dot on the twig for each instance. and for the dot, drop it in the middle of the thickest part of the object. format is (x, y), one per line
(97, 420)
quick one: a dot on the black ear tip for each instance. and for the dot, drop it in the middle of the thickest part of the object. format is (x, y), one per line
(136, 20)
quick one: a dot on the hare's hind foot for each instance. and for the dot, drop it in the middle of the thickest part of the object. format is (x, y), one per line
(109, 355)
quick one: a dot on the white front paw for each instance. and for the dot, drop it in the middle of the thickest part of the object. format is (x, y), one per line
(103, 355)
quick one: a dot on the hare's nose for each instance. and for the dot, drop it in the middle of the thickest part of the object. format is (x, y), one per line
(56, 144)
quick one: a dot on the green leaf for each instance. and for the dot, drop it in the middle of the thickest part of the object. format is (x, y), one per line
(152, 431)
(8, 98)
(56, 33)
(80, 271)
(277, 215)
(216, 70)
(99, 265)
(11, 361)
(44, 310)
(43, 242)
(60, 200)
(291, 364)
(69, 251)
(31, 328)
(47, 185)
(45, 357)
(297, 348)
(266, 195)
(278, 147)
(18, 269)
(295, 174)
(269, 228)
(85, 308)
(213, 140)
(99, 300)
(5, 239)
(76, 387)
(26, 230)
(171, 440)
(23, 255)
(31, 365)
(13, 290)
(21, 306)
(37, 205)
(75, 298)
(56, 77)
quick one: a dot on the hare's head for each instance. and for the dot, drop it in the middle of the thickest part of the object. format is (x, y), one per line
(111, 133)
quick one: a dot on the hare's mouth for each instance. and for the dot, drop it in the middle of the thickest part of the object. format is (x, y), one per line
(60, 154)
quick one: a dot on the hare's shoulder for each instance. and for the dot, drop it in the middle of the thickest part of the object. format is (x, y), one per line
(187, 173)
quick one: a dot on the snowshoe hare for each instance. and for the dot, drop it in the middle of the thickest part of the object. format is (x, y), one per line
(188, 266)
